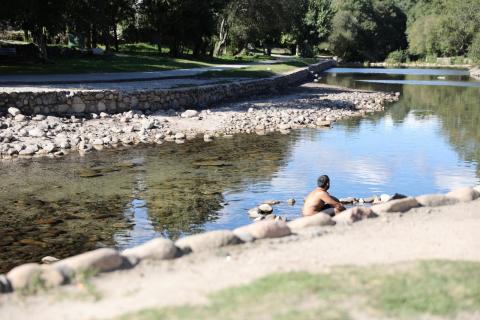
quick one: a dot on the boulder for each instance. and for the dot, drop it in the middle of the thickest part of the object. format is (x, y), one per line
(385, 198)
(317, 220)
(401, 205)
(254, 213)
(353, 215)
(477, 188)
(291, 202)
(323, 123)
(347, 200)
(265, 229)
(13, 111)
(207, 241)
(435, 200)
(156, 249)
(189, 114)
(49, 260)
(26, 275)
(100, 260)
(464, 194)
(265, 208)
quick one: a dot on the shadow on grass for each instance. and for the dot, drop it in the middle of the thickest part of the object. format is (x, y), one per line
(406, 291)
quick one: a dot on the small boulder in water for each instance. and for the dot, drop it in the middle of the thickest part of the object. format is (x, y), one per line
(265, 208)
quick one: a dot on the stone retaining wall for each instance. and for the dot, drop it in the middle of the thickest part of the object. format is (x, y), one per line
(114, 101)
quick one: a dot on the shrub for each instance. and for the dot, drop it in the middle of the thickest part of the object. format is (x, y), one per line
(396, 57)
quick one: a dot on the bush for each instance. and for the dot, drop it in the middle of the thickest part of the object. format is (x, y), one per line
(396, 57)
(474, 49)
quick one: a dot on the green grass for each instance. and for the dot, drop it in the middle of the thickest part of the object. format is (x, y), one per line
(260, 71)
(406, 291)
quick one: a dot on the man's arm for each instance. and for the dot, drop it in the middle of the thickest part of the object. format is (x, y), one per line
(333, 202)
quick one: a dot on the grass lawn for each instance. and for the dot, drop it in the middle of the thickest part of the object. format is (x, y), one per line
(442, 289)
(140, 57)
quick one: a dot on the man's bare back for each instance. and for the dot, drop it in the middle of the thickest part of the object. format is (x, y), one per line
(319, 199)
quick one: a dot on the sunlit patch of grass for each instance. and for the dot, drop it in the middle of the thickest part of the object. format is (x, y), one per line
(406, 291)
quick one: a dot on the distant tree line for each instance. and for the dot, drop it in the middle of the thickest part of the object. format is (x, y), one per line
(354, 30)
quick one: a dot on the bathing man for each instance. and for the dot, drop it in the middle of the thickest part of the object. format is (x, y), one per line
(319, 199)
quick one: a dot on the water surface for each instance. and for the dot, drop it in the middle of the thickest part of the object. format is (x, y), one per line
(428, 142)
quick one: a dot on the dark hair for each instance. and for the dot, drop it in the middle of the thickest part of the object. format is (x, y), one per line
(322, 181)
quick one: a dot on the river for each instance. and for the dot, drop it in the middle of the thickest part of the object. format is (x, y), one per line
(428, 142)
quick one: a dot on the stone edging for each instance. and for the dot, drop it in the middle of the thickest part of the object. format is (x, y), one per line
(64, 271)
(78, 102)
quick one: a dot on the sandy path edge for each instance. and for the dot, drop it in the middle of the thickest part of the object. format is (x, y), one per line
(449, 232)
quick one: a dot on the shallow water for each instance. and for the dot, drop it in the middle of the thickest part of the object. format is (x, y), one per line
(428, 142)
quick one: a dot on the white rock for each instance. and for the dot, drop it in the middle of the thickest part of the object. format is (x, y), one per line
(385, 197)
(265, 208)
(464, 194)
(189, 114)
(401, 205)
(36, 132)
(104, 259)
(158, 249)
(265, 229)
(435, 200)
(207, 241)
(317, 220)
(13, 111)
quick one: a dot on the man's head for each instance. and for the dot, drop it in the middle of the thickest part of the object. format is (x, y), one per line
(323, 182)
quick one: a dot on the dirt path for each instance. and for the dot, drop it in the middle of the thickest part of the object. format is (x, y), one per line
(450, 232)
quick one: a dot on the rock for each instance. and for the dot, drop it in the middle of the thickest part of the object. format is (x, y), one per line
(291, 202)
(265, 229)
(189, 114)
(477, 188)
(397, 196)
(330, 211)
(5, 285)
(48, 147)
(13, 111)
(435, 200)
(37, 133)
(180, 136)
(317, 220)
(20, 117)
(369, 199)
(401, 205)
(49, 260)
(100, 260)
(323, 123)
(156, 249)
(254, 213)
(271, 202)
(348, 200)
(385, 198)
(354, 214)
(29, 150)
(265, 208)
(207, 137)
(207, 241)
(26, 275)
(464, 194)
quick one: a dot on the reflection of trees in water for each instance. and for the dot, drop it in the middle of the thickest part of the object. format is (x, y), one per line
(459, 111)
(185, 189)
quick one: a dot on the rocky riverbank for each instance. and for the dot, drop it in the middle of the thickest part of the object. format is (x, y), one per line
(311, 105)
(423, 227)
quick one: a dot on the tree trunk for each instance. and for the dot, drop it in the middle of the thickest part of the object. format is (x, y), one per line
(106, 38)
(222, 38)
(40, 40)
(115, 35)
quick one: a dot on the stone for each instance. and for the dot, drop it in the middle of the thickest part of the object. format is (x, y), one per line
(254, 213)
(477, 188)
(354, 214)
(265, 208)
(347, 200)
(323, 123)
(37, 133)
(329, 211)
(49, 260)
(13, 111)
(317, 220)
(156, 249)
(271, 202)
(465, 194)
(100, 260)
(20, 117)
(29, 150)
(265, 229)
(189, 114)
(208, 241)
(291, 202)
(5, 286)
(180, 136)
(435, 200)
(26, 275)
(401, 205)
(385, 198)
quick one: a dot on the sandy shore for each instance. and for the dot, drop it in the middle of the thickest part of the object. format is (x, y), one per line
(448, 232)
(311, 105)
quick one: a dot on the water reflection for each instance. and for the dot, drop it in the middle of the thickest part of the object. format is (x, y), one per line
(427, 142)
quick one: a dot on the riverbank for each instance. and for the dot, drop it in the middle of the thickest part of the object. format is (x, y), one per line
(444, 228)
(310, 105)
